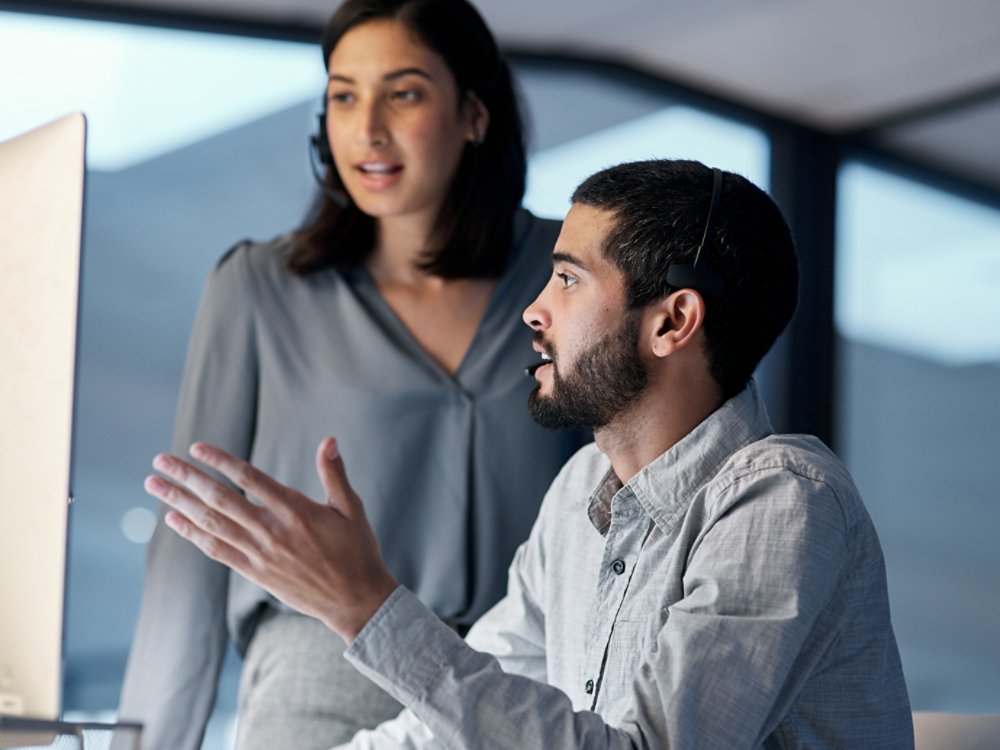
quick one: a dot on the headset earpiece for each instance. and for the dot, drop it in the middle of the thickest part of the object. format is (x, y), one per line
(320, 141)
(699, 276)
(320, 151)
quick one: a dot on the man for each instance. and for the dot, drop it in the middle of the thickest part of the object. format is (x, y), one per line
(692, 580)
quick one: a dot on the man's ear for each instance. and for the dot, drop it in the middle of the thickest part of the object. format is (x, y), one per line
(676, 321)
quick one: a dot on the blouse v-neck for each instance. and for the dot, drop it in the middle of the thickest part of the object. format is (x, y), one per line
(366, 288)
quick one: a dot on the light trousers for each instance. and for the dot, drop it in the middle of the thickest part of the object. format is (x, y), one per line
(297, 692)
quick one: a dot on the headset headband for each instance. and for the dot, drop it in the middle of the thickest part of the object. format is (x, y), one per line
(699, 276)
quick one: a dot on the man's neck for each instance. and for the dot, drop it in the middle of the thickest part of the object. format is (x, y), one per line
(654, 424)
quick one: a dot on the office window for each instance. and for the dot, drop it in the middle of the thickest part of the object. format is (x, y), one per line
(582, 121)
(917, 307)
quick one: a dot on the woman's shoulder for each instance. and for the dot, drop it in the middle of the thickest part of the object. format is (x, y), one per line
(534, 231)
(260, 266)
(534, 238)
(256, 257)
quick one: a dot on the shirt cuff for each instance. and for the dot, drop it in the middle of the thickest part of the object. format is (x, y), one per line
(404, 647)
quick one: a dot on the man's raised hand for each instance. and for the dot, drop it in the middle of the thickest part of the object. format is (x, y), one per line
(322, 560)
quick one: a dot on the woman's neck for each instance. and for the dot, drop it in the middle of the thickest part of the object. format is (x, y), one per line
(442, 314)
(400, 244)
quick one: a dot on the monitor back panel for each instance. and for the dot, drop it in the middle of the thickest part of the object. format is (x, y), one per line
(41, 209)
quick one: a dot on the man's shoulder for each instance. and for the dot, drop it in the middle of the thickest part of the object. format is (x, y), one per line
(578, 478)
(801, 462)
(799, 453)
(588, 462)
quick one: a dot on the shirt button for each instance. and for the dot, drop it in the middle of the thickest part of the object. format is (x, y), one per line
(618, 566)
(589, 687)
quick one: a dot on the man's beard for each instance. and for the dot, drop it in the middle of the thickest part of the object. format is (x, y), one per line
(607, 377)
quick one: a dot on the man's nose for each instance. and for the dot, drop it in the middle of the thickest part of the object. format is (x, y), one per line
(535, 315)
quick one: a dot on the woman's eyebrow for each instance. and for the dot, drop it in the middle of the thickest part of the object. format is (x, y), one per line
(402, 72)
(390, 76)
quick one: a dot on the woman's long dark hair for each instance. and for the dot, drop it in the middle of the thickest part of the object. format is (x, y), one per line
(474, 229)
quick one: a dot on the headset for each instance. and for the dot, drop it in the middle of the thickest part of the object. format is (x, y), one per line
(320, 151)
(319, 142)
(699, 276)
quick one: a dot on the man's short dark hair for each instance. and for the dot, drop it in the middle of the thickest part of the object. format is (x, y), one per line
(661, 208)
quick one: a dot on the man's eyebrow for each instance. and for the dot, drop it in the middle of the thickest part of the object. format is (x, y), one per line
(390, 76)
(562, 257)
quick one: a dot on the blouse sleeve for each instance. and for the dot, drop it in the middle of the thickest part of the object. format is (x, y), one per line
(180, 638)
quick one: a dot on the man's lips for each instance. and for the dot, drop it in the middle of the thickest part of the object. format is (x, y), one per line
(530, 370)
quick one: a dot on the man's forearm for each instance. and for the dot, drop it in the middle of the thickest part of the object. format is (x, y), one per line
(462, 695)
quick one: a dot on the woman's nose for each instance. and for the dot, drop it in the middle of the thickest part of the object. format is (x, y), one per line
(372, 128)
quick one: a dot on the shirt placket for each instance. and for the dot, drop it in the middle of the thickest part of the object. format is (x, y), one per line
(622, 544)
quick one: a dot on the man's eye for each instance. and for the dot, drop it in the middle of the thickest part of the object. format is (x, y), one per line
(565, 278)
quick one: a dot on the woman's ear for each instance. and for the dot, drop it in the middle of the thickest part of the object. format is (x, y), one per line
(676, 321)
(479, 118)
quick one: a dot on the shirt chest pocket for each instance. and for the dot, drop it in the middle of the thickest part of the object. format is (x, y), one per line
(632, 643)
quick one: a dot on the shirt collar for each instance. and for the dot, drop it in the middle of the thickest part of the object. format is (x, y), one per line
(665, 486)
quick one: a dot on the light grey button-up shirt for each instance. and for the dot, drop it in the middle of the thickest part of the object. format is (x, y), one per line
(731, 595)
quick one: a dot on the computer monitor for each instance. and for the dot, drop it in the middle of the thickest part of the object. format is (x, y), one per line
(41, 215)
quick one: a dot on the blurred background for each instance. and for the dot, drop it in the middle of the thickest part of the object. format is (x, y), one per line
(874, 125)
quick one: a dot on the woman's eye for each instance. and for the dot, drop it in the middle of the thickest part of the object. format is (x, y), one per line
(341, 97)
(406, 95)
(565, 278)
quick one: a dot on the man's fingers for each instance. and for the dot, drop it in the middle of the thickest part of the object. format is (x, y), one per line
(211, 545)
(211, 492)
(207, 521)
(244, 475)
(333, 475)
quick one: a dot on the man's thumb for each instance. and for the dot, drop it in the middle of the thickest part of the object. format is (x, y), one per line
(333, 475)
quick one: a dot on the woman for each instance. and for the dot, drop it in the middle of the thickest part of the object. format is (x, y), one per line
(392, 320)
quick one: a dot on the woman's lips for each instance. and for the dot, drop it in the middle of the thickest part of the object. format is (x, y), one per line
(379, 175)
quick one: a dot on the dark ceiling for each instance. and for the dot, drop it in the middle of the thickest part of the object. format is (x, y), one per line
(912, 78)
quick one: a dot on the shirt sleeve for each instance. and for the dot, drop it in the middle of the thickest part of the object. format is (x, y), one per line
(487, 691)
(180, 638)
(513, 631)
(461, 695)
(754, 622)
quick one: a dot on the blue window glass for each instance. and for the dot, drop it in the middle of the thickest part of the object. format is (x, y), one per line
(917, 312)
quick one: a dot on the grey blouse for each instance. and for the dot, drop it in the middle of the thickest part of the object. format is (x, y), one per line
(450, 467)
